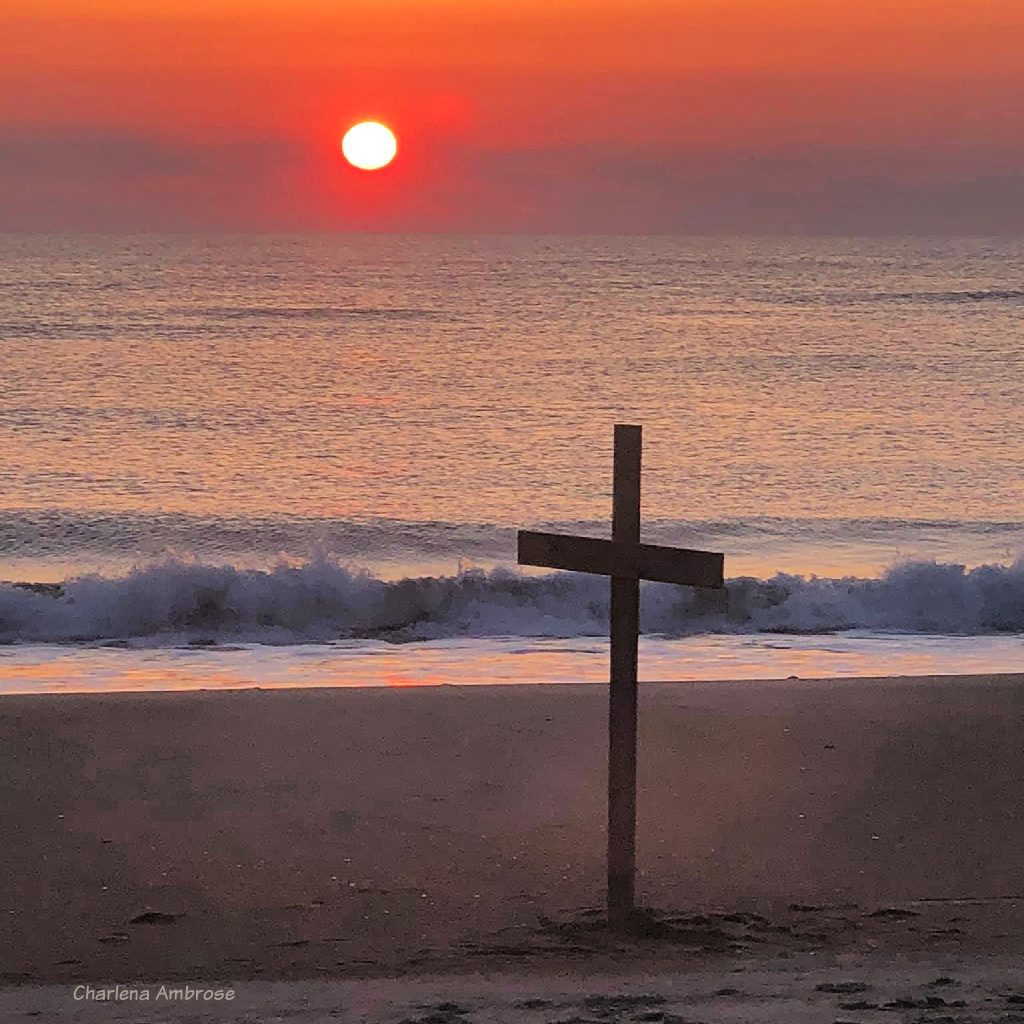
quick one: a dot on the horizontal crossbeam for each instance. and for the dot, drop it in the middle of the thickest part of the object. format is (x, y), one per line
(629, 561)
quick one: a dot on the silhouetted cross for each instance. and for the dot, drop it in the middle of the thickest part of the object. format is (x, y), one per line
(626, 561)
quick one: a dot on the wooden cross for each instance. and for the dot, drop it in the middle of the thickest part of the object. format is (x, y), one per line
(626, 561)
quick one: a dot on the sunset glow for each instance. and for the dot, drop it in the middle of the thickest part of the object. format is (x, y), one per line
(823, 118)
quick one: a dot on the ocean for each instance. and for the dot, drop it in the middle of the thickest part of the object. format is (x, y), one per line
(301, 460)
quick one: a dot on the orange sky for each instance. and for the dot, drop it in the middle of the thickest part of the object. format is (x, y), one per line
(729, 115)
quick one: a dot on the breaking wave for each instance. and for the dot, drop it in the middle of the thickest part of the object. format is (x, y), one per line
(179, 601)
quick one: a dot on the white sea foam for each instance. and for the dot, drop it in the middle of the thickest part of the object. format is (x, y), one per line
(326, 600)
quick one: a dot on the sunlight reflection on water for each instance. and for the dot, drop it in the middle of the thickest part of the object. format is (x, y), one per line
(58, 669)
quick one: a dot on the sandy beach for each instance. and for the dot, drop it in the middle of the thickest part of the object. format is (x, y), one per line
(851, 988)
(448, 831)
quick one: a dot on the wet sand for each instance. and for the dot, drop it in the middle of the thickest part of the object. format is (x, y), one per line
(443, 830)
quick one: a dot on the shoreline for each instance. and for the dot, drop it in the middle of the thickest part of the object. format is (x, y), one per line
(789, 682)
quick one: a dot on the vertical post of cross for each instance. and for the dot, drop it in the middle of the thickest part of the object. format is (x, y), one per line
(625, 627)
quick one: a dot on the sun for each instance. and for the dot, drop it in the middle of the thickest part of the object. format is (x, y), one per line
(369, 145)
